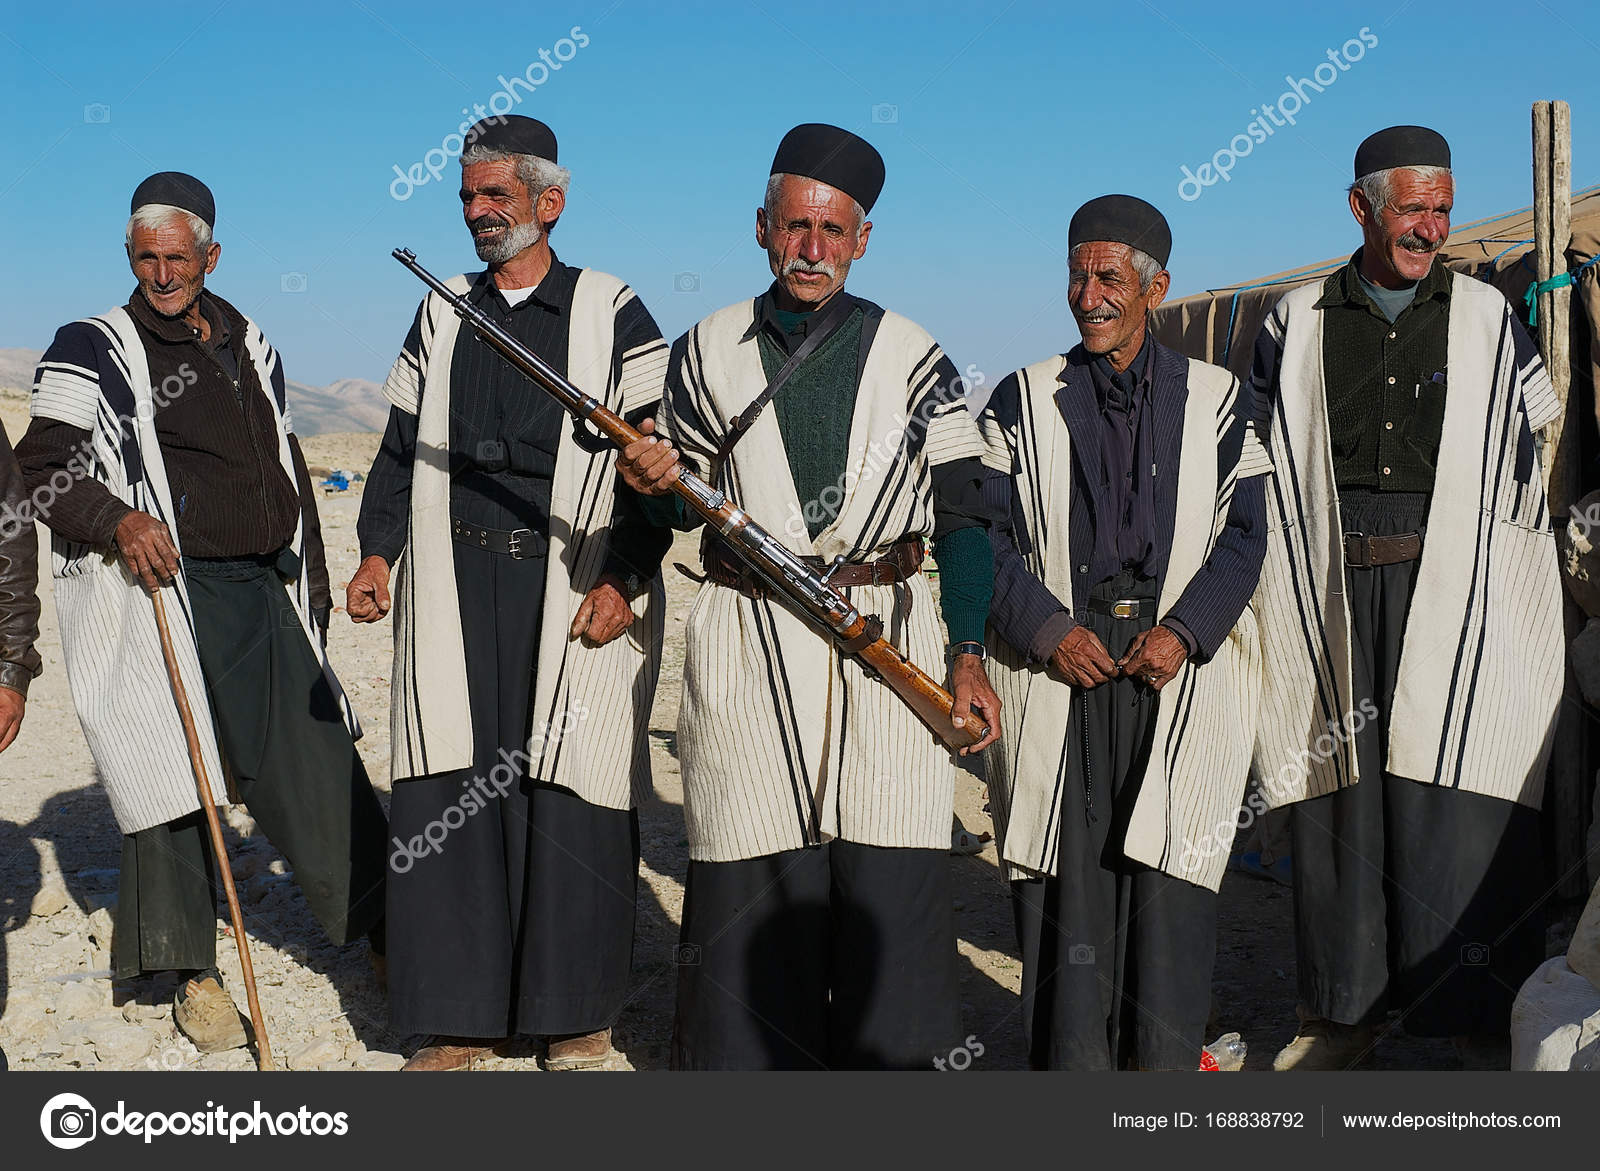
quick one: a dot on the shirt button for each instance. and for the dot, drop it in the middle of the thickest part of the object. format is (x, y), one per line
(1388, 426)
(1392, 335)
(1391, 380)
(1083, 569)
(1386, 471)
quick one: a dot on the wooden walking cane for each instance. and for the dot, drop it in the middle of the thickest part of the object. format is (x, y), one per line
(203, 783)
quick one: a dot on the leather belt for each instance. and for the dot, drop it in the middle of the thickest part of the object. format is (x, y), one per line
(1364, 552)
(902, 562)
(1123, 607)
(514, 543)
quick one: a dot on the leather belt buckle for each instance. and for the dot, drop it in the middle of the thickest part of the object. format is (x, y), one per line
(1357, 551)
(514, 546)
(1126, 608)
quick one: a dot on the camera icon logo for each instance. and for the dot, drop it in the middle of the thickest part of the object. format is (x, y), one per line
(97, 112)
(1475, 955)
(687, 955)
(292, 282)
(1080, 953)
(68, 1121)
(885, 114)
(686, 282)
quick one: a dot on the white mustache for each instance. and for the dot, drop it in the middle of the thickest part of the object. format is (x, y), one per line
(798, 265)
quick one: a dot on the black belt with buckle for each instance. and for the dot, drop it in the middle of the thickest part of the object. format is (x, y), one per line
(1366, 552)
(1123, 607)
(514, 543)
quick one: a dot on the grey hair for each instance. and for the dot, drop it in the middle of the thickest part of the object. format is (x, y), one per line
(775, 184)
(1378, 187)
(159, 215)
(1145, 265)
(536, 174)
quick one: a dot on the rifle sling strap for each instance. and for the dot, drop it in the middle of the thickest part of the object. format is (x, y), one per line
(825, 325)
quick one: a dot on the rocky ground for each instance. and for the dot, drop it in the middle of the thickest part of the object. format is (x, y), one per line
(59, 853)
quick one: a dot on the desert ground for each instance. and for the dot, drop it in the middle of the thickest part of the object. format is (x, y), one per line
(60, 849)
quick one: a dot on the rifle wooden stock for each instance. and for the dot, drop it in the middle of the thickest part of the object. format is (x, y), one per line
(806, 588)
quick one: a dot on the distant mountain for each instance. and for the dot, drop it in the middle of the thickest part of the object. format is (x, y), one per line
(350, 404)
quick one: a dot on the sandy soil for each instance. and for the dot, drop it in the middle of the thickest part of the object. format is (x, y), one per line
(59, 853)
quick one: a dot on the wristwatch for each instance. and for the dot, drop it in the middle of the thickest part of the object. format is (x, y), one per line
(966, 648)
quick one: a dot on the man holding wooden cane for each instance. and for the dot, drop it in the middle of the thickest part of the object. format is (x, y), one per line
(161, 457)
(817, 929)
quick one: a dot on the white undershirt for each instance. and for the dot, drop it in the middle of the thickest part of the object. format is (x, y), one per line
(515, 297)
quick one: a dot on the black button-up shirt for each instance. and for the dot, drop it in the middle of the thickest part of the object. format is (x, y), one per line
(505, 432)
(1124, 508)
(1385, 381)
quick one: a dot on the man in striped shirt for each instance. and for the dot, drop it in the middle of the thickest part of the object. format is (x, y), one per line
(527, 638)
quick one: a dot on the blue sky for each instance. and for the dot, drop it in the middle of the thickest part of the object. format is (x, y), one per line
(996, 122)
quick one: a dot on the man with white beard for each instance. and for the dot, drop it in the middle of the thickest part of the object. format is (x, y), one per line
(527, 637)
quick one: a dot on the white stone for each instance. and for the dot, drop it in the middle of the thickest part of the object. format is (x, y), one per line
(51, 899)
(83, 998)
(1555, 1022)
(317, 1051)
(374, 1060)
(1583, 954)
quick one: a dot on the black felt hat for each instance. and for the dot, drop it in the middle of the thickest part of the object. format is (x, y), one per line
(1122, 219)
(513, 134)
(1401, 146)
(832, 156)
(175, 189)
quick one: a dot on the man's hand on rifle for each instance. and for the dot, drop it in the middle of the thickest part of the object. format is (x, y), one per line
(366, 598)
(146, 548)
(649, 465)
(605, 612)
(970, 685)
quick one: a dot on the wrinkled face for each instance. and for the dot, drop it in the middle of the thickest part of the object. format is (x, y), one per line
(812, 239)
(499, 212)
(170, 271)
(1402, 239)
(1103, 290)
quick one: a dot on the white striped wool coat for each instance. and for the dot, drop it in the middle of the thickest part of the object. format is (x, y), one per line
(1205, 724)
(109, 640)
(1481, 664)
(784, 742)
(591, 705)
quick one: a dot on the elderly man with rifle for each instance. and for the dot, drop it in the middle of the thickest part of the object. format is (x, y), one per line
(527, 636)
(817, 929)
(161, 456)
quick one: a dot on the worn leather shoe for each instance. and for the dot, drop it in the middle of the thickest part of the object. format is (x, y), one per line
(578, 1051)
(1325, 1045)
(206, 1015)
(446, 1054)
